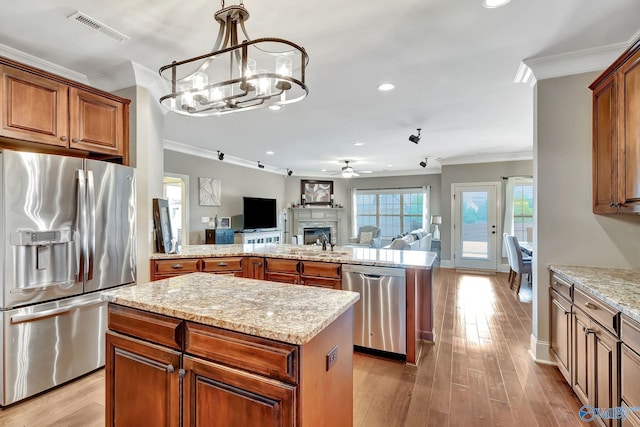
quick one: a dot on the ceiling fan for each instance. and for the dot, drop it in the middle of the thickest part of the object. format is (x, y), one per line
(348, 172)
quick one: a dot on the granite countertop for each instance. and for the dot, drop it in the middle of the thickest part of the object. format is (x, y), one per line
(340, 254)
(282, 312)
(620, 288)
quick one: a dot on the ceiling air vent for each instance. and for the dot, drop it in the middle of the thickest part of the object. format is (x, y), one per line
(98, 26)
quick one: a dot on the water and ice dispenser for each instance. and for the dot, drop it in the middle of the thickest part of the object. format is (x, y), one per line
(43, 258)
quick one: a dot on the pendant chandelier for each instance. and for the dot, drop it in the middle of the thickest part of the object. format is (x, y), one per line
(266, 72)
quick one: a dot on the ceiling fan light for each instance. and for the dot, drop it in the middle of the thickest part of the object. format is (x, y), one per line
(492, 4)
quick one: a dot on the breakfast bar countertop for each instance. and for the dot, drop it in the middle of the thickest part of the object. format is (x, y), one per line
(291, 314)
(618, 287)
(340, 254)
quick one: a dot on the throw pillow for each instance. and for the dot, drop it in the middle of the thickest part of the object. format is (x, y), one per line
(365, 237)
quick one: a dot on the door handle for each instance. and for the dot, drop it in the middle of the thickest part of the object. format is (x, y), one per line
(591, 305)
(177, 266)
(22, 318)
(91, 216)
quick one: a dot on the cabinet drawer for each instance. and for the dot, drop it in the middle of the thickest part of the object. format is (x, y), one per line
(152, 327)
(282, 265)
(221, 264)
(630, 333)
(176, 266)
(293, 279)
(597, 310)
(561, 286)
(259, 355)
(321, 282)
(321, 269)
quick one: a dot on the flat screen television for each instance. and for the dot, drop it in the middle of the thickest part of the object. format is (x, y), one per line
(259, 213)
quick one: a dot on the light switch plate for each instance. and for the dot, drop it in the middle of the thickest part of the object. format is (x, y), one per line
(332, 357)
(204, 219)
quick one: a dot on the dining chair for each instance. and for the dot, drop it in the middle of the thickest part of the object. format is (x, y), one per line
(506, 245)
(516, 261)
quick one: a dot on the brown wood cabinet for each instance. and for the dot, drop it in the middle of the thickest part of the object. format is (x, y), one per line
(159, 367)
(165, 268)
(616, 135)
(253, 268)
(42, 108)
(630, 369)
(561, 320)
(321, 274)
(282, 270)
(225, 265)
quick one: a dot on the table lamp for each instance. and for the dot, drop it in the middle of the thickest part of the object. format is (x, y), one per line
(436, 220)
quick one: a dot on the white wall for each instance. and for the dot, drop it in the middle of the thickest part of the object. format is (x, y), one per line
(567, 231)
(237, 181)
(146, 155)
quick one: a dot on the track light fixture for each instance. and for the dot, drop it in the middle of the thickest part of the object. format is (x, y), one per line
(289, 172)
(415, 138)
(220, 155)
(261, 166)
(424, 163)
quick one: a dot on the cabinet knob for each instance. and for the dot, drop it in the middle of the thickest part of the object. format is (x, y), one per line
(176, 266)
(170, 369)
(75, 140)
(591, 305)
(63, 138)
(181, 373)
(588, 331)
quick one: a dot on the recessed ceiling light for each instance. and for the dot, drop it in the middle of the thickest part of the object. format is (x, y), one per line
(358, 144)
(384, 87)
(389, 166)
(271, 153)
(323, 170)
(492, 4)
(274, 107)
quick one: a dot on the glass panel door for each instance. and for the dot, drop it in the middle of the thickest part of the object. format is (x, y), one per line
(475, 226)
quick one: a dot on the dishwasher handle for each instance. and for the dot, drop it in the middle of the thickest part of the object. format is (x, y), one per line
(371, 276)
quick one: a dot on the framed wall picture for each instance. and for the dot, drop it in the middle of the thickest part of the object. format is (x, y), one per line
(210, 191)
(162, 225)
(224, 222)
(316, 192)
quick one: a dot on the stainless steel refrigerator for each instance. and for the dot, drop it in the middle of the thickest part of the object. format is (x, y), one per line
(68, 232)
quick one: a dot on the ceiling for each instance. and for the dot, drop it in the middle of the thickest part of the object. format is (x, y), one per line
(453, 63)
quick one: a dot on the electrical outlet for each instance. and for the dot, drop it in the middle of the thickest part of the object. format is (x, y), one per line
(204, 219)
(332, 357)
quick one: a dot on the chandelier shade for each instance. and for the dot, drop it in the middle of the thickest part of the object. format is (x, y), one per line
(236, 76)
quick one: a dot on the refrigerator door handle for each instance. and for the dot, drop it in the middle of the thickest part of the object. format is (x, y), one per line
(30, 317)
(43, 287)
(81, 237)
(91, 202)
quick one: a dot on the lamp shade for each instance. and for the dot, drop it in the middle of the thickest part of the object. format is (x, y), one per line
(436, 219)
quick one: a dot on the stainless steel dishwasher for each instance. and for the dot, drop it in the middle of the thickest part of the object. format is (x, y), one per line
(380, 321)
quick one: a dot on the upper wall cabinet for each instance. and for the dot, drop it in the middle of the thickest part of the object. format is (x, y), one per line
(41, 108)
(616, 136)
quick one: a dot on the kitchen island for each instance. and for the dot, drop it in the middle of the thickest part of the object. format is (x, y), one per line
(310, 266)
(203, 349)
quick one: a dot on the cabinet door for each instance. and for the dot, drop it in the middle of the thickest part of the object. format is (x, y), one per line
(561, 333)
(97, 123)
(34, 108)
(629, 381)
(142, 383)
(253, 267)
(582, 352)
(605, 371)
(605, 156)
(629, 134)
(220, 396)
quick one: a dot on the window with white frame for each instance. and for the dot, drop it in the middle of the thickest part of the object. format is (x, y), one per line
(518, 219)
(395, 211)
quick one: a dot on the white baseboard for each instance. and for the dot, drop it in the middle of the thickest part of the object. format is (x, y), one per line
(540, 351)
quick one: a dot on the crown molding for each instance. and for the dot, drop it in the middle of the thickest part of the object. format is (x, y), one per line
(565, 64)
(36, 62)
(487, 158)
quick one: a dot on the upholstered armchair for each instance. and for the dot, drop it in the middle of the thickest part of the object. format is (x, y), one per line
(368, 236)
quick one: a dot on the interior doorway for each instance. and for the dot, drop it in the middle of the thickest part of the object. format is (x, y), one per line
(476, 225)
(176, 191)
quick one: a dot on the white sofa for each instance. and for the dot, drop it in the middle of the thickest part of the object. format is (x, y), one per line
(416, 240)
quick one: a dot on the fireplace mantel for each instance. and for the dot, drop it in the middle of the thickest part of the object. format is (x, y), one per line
(317, 217)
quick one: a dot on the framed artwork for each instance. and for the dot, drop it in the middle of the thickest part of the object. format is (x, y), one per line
(162, 225)
(210, 190)
(316, 192)
(225, 222)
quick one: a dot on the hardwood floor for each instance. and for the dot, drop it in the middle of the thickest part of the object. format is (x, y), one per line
(478, 373)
